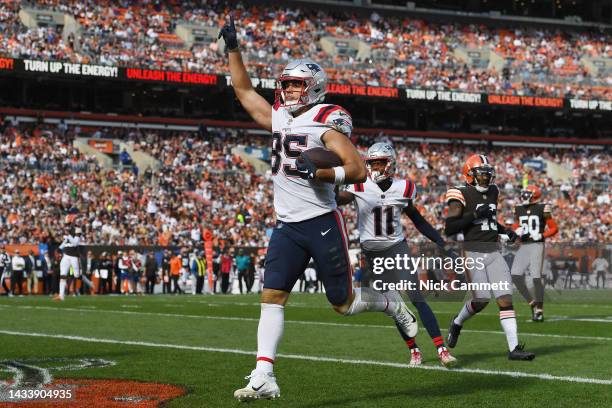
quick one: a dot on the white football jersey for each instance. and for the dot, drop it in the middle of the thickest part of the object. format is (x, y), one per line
(70, 245)
(296, 199)
(380, 212)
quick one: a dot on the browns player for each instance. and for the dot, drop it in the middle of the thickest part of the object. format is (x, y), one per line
(472, 210)
(533, 223)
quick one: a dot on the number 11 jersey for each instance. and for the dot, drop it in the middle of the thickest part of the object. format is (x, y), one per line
(380, 212)
(296, 199)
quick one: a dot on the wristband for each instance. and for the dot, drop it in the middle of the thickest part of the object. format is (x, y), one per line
(339, 175)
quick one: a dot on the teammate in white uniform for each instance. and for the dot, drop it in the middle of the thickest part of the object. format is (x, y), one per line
(70, 259)
(309, 224)
(381, 200)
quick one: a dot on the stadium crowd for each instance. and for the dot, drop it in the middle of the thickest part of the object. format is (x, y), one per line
(202, 185)
(405, 52)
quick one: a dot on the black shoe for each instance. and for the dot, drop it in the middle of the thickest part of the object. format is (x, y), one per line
(533, 311)
(453, 334)
(519, 354)
(538, 316)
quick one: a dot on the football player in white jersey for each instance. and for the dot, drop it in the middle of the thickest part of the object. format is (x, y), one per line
(381, 200)
(70, 259)
(309, 223)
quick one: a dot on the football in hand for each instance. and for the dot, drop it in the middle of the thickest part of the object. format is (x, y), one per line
(322, 158)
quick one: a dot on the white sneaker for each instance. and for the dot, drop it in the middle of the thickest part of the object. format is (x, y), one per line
(416, 358)
(446, 359)
(261, 386)
(403, 317)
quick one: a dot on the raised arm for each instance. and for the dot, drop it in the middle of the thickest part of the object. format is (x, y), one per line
(256, 106)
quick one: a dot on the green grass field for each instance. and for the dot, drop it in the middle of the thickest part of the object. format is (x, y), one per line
(206, 345)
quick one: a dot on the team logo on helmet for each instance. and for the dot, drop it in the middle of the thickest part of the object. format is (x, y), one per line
(314, 84)
(314, 68)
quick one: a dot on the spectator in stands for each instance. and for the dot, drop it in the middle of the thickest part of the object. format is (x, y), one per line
(125, 158)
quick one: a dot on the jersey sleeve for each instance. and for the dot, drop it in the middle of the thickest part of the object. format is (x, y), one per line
(454, 194)
(333, 117)
(410, 190)
(354, 188)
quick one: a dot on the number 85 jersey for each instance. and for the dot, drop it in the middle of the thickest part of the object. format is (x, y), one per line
(296, 199)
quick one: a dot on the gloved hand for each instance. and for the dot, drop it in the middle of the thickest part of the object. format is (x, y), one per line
(449, 251)
(512, 236)
(306, 168)
(228, 32)
(484, 211)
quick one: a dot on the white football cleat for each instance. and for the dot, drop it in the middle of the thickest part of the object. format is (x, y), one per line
(415, 358)
(403, 317)
(446, 359)
(261, 386)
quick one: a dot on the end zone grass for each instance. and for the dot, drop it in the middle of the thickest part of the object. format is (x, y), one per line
(206, 345)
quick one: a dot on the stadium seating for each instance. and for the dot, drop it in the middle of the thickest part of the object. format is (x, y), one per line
(393, 51)
(203, 185)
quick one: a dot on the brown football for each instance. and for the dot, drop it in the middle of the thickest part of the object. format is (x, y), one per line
(322, 158)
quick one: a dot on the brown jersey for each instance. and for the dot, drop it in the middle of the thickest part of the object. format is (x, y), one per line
(532, 221)
(481, 234)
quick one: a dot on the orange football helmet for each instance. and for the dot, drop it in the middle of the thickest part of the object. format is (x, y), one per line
(479, 172)
(531, 194)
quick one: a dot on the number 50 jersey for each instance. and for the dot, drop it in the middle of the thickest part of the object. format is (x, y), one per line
(296, 199)
(380, 212)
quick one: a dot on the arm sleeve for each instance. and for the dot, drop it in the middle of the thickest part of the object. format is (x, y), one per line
(455, 225)
(423, 226)
(551, 229)
(332, 117)
(454, 194)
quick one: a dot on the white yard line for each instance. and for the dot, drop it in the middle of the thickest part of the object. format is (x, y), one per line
(301, 322)
(579, 319)
(514, 374)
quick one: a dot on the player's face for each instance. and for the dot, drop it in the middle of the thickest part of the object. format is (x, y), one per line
(483, 176)
(293, 90)
(378, 165)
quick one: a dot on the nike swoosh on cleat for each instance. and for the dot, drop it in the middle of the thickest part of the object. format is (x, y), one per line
(258, 388)
(324, 233)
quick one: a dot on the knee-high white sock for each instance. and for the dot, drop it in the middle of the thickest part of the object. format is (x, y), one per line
(368, 300)
(269, 333)
(467, 311)
(62, 287)
(507, 318)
